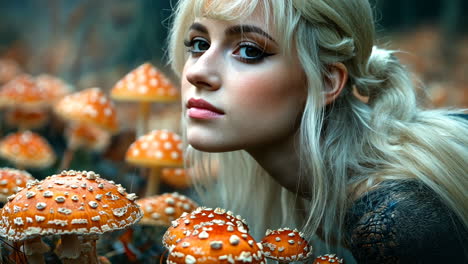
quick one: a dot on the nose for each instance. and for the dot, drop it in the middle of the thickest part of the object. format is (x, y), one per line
(205, 71)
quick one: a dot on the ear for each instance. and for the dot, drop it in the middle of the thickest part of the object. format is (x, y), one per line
(335, 81)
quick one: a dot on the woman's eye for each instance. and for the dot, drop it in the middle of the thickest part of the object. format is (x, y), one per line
(250, 53)
(197, 45)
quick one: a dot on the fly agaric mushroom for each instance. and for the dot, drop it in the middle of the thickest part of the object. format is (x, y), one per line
(55, 87)
(11, 181)
(90, 106)
(162, 209)
(159, 148)
(144, 84)
(26, 119)
(9, 69)
(27, 149)
(328, 259)
(71, 204)
(187, 223)
(176, 177)
(216, 244)
(23, 91)
(286, 245)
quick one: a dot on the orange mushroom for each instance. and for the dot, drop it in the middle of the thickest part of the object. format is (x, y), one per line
(144, 84)
(72, 204)
(328, 259)
(286, 245)
(159, 148)
(217, 244)
(176, 177)
(26, 119)
(161, 210)
(89, 107)
(23, 91)
(27, 149)
(11, 181)
(202, 216)
(55, 87)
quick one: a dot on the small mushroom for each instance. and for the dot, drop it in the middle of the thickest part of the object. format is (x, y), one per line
(26, 119)
(216, 244)
(76, 205)
(145, 84)
(11, 181)
(23, 91)
(176, 177)
(328, 259)
(161, 210)
(286, 245)
(187, 223)
(157, 149)
(27, 149)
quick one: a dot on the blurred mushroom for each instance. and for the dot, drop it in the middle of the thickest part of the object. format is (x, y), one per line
(27, 149)
(73, 204)
(26, 119)
(90, 107)
(202, 216)
(328, 259)
(144, 84)
(159, 148)
(23, 92)
(55, 87)
(11, 181)
(217, 243)
(176, 177)
(9, 69)
(286, 245)
(161, 210)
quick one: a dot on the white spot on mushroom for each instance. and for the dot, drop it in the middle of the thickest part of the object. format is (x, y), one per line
(41, 206)
(93, 204)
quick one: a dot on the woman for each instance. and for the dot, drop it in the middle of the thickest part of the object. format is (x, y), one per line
(315, 127)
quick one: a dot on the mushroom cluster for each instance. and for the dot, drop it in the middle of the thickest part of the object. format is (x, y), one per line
(77, 205)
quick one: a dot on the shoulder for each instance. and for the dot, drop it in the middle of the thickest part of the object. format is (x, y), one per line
(404, 222)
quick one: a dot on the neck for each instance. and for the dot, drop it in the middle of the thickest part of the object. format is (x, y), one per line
(281, 161)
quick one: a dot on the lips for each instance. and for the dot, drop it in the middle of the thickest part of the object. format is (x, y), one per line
(203, 105)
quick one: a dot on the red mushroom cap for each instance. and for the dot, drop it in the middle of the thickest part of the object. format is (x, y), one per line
(328, 259)
(202, 216)
(89, 106)
(27, 149)
(71, 202)
(286, 245)
(145, 83)
(11, 181)
(161, 210)
(216, 243)
(157, 148)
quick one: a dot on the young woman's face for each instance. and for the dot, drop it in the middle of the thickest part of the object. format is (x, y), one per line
(239, 91)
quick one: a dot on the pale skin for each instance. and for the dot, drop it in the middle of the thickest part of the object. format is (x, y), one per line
(259, 93)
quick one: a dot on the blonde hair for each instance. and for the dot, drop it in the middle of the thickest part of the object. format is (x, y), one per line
(347, 147)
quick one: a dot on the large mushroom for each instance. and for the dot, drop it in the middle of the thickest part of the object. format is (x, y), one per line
(157, 149)
(11, 181)
(144, 84)
(285, 245)
(187, 223)
(90, 107)
(217, 243)
(76, 205)
(27, 149)
(161, 210)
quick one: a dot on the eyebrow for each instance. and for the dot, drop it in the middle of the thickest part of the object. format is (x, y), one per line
(233, 30)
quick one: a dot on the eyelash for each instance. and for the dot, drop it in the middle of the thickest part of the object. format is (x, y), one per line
(190, 48)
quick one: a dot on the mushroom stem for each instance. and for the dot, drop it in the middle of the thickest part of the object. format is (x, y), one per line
(152, 187)
(34, 250)
(67, 158)
(143, 117)
(69, 248)
(89, 243)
